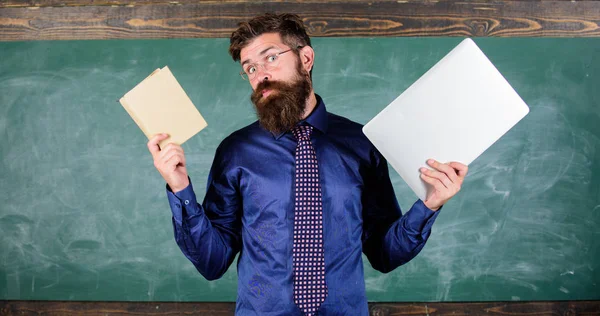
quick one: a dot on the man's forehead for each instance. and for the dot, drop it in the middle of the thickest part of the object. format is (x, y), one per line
(260, 44)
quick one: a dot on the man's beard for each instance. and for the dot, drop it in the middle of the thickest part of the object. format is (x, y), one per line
(284, 107)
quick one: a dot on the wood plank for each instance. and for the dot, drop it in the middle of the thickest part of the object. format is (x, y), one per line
(60, 3)
(347, 18)
(570, 308)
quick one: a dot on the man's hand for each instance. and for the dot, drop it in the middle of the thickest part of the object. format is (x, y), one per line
(170, 162)
(446, 180)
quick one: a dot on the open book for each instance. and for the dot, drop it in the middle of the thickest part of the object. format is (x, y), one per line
(158, 104)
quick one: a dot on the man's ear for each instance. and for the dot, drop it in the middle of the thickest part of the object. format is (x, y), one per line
(307, 57)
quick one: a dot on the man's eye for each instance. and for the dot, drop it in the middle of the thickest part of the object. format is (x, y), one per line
(251, 70)
(272, 58)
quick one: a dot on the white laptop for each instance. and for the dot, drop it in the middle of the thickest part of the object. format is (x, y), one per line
(454, 112)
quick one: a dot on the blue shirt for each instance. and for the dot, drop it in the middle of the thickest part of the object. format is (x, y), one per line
(249, 208)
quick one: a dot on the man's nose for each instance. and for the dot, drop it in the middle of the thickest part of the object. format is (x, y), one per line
(263, 74)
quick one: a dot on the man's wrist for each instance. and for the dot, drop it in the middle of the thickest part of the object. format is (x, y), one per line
(432, 207)
(176, 189)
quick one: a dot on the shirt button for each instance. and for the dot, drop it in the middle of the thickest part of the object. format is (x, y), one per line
(177, 205)
(187, 202)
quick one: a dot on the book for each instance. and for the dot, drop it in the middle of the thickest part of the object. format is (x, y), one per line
(159, 104)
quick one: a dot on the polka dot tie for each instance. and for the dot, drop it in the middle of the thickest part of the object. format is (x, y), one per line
(310, 289)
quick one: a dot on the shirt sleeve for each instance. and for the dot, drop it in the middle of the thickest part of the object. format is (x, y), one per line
(391, 239)
(209, 234)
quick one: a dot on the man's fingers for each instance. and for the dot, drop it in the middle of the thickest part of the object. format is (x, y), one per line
(436, 183)
(442, 177)
(169, 156)
(153, 143)
(172, 162)
(461, 168)
(445, 168)
(168, 149)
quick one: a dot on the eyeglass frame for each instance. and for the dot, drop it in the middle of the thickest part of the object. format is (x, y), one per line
(246, 76)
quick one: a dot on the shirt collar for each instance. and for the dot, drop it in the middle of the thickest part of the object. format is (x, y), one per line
(317, 118)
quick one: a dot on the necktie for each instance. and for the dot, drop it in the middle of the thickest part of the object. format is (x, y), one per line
(310, 289)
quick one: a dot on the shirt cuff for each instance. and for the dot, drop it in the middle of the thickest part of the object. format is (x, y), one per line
(183, 203)
(421, 218)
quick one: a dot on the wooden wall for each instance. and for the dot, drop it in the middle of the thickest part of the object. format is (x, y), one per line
(105, 19)
(26, 308)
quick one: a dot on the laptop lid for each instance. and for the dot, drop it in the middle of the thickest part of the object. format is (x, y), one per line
(454, 112)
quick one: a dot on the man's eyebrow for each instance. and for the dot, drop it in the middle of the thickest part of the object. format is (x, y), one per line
(261, 53)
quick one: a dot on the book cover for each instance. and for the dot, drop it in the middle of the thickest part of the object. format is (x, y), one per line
(159, 104)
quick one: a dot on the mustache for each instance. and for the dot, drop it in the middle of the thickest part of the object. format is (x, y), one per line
(268, 85)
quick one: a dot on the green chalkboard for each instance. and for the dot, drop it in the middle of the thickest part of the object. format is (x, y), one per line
(84, 215)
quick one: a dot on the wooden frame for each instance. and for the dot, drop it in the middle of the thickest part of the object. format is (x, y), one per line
(90, 19)
(376, 309)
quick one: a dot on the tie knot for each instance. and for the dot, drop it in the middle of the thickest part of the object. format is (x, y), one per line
(302, 132)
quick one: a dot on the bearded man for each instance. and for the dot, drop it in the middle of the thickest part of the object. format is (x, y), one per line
(300, 194)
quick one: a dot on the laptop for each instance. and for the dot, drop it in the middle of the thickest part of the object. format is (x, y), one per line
(454, 112)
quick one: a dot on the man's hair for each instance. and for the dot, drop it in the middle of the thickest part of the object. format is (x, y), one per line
(289, 26)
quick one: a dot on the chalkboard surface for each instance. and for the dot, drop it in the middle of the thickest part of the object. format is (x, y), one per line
(84, 215)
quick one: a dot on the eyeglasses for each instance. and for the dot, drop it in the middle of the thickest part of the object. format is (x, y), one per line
(270, 62)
